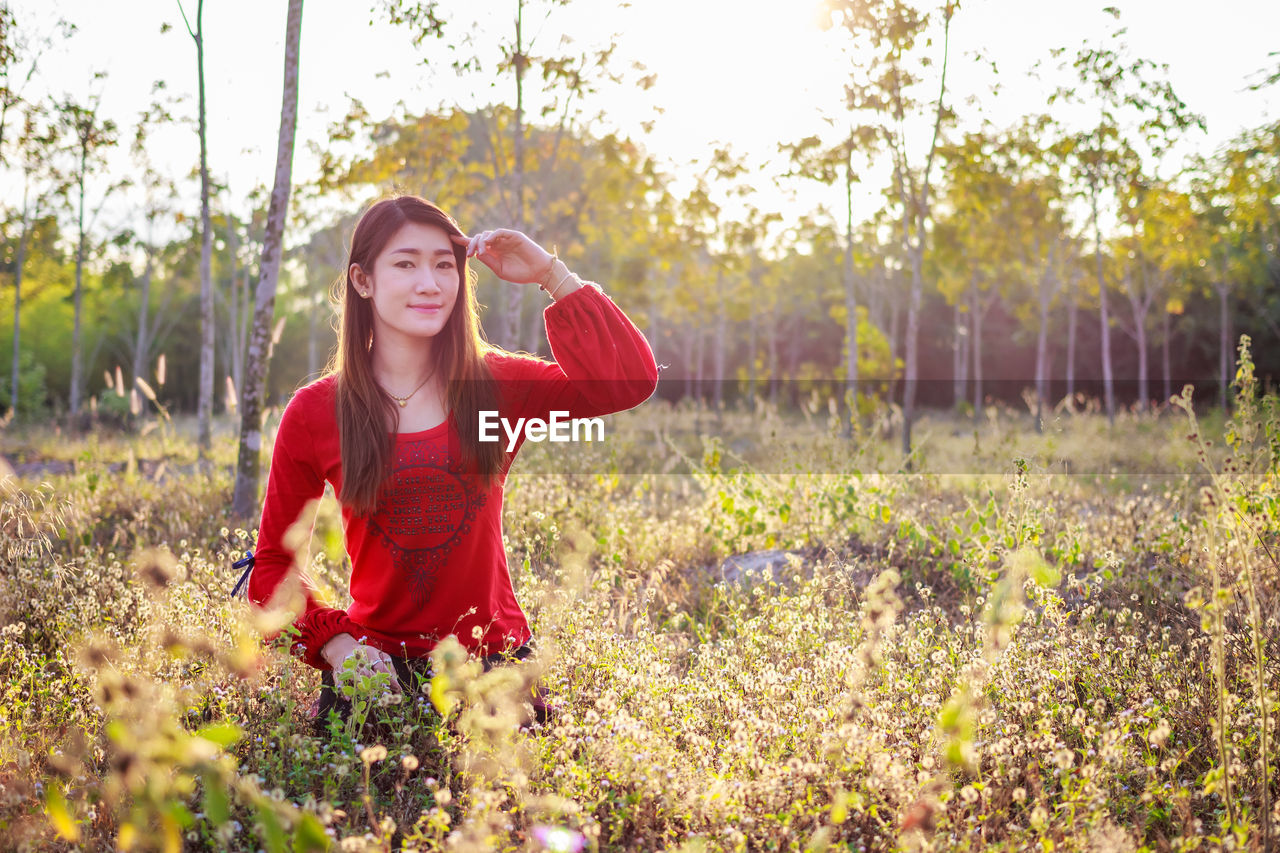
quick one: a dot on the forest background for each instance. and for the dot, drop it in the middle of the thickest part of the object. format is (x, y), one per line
(1071, 225)
(761, 630)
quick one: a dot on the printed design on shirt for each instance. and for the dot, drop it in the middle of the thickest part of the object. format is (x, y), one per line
(425, 512)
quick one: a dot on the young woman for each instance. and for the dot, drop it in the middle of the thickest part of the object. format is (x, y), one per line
(395, 428)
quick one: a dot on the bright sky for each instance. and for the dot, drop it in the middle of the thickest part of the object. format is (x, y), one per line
(751, 73)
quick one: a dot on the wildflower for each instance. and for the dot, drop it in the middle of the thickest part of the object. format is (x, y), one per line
(559, 838)
(1160, 734)
(372, 754)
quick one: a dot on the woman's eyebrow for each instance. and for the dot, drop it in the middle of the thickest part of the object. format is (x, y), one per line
(412, 251)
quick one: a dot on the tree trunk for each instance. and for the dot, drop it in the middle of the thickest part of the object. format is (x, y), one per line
(752, 335)
(1073, 311)
(313, 342)
(913, 320)
(1139, 306)
(1042, 364)
(877, 303)
(1108, 388)
(205, 406)
(1164, 355)
(895, 341)
(793, 367)
(920, 206)
(976, 311)
(1224, 342)
(912, 342)
(246, 313)
(654, 329)
(245, 498)
(515, 297)
(699, 345)
(237, 336)
(19, 263)
(142, 342)
(722, 343)
(690, 345)
(77, 365)
(958, 349)
(773, 361)
(1140, 327)
(537, 325)
(850, 302)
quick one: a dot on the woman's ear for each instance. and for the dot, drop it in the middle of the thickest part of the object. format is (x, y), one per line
(361, 281)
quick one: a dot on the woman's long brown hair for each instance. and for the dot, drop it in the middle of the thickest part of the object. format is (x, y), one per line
(367, 416)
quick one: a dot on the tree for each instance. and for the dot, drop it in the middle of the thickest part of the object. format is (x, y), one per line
(205, 405)
(158, 196)
(1235, 193)
(566, 74)
(744, 239)
(245, 497)
(35, 145)
(320, 257)
(1131, 107)
(827, 165)
(884, 91)
(1141, 273)
(1175, 241)
(20, 54)
(597, 204)
(91, 136)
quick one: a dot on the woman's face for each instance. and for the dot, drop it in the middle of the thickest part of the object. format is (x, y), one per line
(413, 285)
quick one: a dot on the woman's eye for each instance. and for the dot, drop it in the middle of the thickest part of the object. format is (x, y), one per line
(404, 264)
(445, 265)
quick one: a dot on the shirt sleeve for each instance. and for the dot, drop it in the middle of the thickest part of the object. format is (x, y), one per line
(293, 482)
(603, 364)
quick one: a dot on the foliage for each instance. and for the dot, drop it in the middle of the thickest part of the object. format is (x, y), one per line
(32, 402)
(1024, 627)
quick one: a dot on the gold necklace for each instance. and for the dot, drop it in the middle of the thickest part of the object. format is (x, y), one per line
(404, 401)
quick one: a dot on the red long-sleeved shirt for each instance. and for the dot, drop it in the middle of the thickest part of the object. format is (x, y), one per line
(429, 561)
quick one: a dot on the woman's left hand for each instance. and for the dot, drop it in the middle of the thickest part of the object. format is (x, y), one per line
(510, 254)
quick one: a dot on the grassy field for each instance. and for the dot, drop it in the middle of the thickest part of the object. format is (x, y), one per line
(1064, 641)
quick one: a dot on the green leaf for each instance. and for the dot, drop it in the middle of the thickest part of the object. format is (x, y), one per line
(224, 735)
(955, 755)
(55, 806)
(272, 832)
(117, 731)
(310, 835)
(440, 694)
(216, 804)
(1027, 562)
(884, 514)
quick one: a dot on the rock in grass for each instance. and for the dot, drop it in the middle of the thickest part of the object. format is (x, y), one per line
(759, 566)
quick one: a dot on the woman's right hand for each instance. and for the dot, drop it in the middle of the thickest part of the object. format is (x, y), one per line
(368, 660)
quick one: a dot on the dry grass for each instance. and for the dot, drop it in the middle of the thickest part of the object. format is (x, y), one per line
(989, 651)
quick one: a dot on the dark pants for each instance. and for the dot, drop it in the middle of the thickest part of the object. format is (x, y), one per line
(412, 673)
